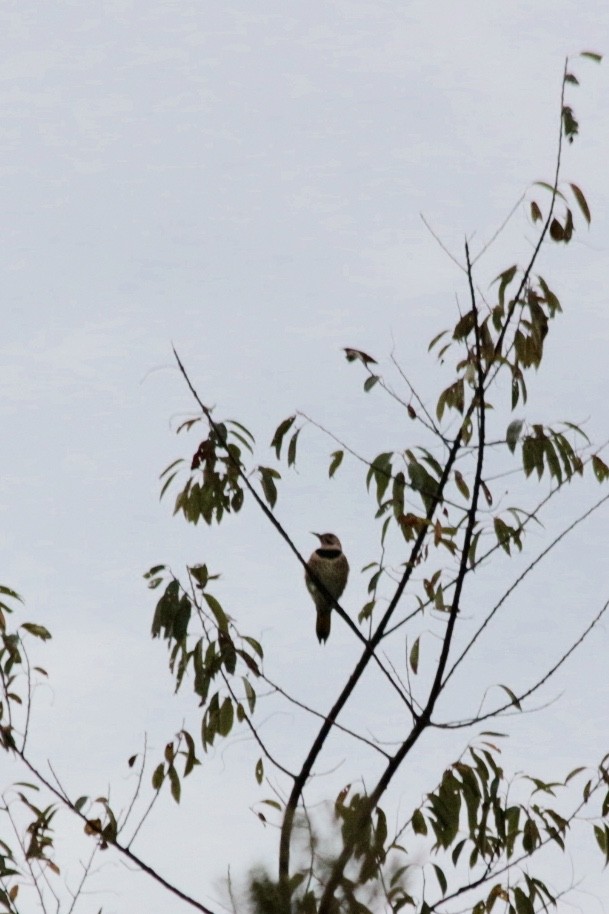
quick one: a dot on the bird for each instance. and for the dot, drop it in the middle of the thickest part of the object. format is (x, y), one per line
(330, 566)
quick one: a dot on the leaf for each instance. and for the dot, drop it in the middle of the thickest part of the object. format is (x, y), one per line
(380, 470)
(464, 325)
(601, 470)
(259, 771)
(536, 215)
(292, 448)
(158, 776)
(10, 593)
(524, 905)
(581, 202)
(419, 825)
(39, 631)
(461, 484)
(250, 694)
(280, 433)
(354, 355)
(255, 644)
(504, 280)
(441, 878)
(337, 459)
(219, 614)
(592, 55)
(167, 483)
(227, 715)
(487, 493)
(436, 339)
(174, 781)
(414, 656)
(268, 477)
(557, 232)
(569, 78)
(551, 188)
(370, 382)
(513, 698)
(513, 433)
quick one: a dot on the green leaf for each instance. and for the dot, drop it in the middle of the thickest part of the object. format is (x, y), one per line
(550, 187)
(219, 614)
(464, 325)
(592, 55)
(227, 716)
(513, 433)
(399, 485)
(259, 771)
(158, 776)
(292, 448)
(513, 698)
(268, 477)
(366, 611)
(10, 593)
(419, 825)
(441, 878)
(167, 483)
(503, 533)
(191, 758)
(250, 694)
(38, 631)
(504, 279)
(436, 339)
(255, 644)
(337, 459)
(581, 202)
(174, 781)
(370, 382)
(280, 433)
(414, 656)
(523, 903)
(380, 471)
(461, 484)
(601, 470)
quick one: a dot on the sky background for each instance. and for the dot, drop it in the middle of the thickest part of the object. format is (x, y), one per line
(245, 181)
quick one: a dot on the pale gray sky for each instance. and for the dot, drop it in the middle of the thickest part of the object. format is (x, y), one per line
(245, 180)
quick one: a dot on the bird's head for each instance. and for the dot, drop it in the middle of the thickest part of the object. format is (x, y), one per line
(329, 540)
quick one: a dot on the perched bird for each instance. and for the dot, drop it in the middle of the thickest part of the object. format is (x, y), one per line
(329, 564)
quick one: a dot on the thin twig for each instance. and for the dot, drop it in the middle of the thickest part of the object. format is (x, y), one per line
(441, 243)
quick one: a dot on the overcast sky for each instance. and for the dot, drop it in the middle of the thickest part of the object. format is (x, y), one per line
(245, 180)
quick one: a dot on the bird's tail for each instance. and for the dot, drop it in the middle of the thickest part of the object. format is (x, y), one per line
(324, 621)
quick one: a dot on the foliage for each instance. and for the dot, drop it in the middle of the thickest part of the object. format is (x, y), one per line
(480, 829)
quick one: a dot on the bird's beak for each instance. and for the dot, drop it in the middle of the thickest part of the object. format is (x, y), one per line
(318, 535)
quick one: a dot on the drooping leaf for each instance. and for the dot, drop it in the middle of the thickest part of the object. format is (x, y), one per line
(581, 202)
(268, 477)
(513, 697)
(513, 433)
(337, 459)
(414, 657)
(259, 771)
(292, 448)
(280, 433)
